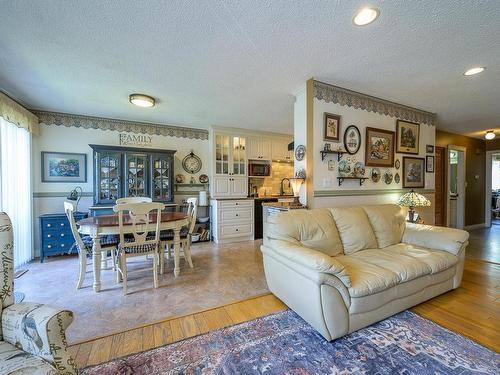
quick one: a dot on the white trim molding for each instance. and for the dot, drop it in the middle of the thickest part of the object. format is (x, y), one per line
(350, 193)
(89, 122)
(344, 97)
(475, 226)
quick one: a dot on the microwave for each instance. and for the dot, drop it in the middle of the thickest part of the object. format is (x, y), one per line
(259, 168)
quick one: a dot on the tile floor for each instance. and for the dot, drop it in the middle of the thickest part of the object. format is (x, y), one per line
(221, 274)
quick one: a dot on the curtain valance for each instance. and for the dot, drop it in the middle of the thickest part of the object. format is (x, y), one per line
(15, 113)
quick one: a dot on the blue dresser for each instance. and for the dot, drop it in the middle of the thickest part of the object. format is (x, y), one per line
(55, 234)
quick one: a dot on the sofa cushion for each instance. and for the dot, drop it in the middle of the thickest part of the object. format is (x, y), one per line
(388, 222)
(15, 361)
(314, 229)
(354, 228)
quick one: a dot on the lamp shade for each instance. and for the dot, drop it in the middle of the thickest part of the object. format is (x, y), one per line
(413, 199)
(296, 183)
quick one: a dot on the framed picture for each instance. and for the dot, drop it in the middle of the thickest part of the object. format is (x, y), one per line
(429, 164)
(352, 139)
(429, 149)
(379, 148)
(413, 172)
(64, 167)
(332, 127)
(408, 134)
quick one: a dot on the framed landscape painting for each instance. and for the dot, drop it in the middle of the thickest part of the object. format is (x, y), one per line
(64, 167)
(413, 172)
(407, 137)
(379, 148)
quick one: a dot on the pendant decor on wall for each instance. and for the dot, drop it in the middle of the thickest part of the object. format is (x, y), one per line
(359, 169)
(388, 177)
(191, 163)
(397, 164)
(300, 152)
(397, 178)
(375, 175)
(352, 139)
(203, 178)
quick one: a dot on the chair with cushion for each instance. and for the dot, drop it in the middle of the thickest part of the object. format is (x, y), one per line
(134, 200)
(32, 338)
(142, 221)
(167, 237)
(84, 244)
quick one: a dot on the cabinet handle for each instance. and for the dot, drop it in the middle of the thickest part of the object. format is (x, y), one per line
(49, 246)
(49, 225)
(236, 203)
(237, 229)
(237, 215)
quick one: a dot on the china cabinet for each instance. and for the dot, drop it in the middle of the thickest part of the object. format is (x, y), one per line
(129, 172)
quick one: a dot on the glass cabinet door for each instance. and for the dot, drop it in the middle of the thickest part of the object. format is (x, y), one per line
(161, 171)
(109, 177)
(221, 154)
(136, 175)
(239, 156)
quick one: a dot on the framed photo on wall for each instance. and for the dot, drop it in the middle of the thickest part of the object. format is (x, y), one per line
(407, 137)
(429, 164)
(332, 127)
(413, 172)
(64, 167)
(379, 148)
(429, 149)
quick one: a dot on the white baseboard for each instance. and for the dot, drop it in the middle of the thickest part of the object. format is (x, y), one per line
(475, 226)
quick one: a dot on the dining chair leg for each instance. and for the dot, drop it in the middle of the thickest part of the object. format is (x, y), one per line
(119, 268)
(161, 254)
(186, 247)
(82, 258)
(113, 259)
(156, 260)
(124, 273)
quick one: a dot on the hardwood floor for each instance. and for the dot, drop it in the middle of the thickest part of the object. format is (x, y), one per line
(472, 310)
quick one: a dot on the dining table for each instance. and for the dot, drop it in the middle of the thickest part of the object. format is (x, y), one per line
(103, 225)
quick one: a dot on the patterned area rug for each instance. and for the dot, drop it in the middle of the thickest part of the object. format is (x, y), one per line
(284, 344)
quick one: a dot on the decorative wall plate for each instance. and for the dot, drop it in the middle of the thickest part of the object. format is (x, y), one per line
(352, 139)
(300, 152)
(388, 177)
(397, 164)
(180, 178)
(203, 178)
(359, 169)
(191, 163)
(345, 169)
(397, 178)
(375, 175)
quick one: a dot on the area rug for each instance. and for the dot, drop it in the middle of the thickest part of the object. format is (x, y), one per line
(285, 344)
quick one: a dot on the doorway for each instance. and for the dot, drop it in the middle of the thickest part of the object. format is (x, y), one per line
(456, 187)
(440, 187)
(492, 206)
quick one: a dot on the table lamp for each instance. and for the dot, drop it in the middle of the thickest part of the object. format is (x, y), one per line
(296, 183)
(412, 200)
(75, 195)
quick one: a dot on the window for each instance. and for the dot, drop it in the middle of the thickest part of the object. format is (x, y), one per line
(15, 187)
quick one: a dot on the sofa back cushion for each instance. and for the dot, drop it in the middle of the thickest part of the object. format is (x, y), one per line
(314, 229)
(354, 228)
(388, 222)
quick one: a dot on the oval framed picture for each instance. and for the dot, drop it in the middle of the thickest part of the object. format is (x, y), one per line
(352, 139)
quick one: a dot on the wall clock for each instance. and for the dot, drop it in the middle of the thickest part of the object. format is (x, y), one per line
(191, 163)
(300, 152)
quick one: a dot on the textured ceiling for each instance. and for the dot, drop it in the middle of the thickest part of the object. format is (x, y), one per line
(237, 63)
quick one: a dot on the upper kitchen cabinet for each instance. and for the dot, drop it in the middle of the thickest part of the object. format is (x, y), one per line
(280, 151)
(259, 148)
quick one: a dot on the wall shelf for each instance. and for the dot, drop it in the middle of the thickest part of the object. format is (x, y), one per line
(361, 179)
(325, 153)
(177, 185)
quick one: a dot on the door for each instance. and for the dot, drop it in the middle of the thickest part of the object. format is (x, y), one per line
(107, 171)
(440, 197)
(222, 147)
(253, 149)
(239, 186)
(136, 174)
(222, 187)
(265, 148)
(161, 170)
(239, 159)
(456, 187)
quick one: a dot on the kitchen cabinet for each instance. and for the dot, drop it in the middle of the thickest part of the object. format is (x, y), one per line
(279, 149)
(233, 220)
(259, 148)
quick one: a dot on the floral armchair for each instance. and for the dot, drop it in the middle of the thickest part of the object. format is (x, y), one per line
(32, 335)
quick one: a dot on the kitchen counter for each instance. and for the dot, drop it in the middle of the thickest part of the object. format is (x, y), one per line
(284, 206)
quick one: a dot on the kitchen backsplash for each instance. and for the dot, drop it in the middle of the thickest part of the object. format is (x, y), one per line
(271, 185)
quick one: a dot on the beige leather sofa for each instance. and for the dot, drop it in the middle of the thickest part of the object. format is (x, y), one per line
(342, 269)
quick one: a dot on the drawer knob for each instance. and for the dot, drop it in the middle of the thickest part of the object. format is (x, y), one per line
(62, 224)
(49, 246)
(237, 215)
(62, 234)
(237, 229)
(236, 203)
(49, 235)
(49, 225)
(62, 245)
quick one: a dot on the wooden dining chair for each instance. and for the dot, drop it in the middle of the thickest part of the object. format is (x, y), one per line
(84, 244)
(134, 200)
(167, 237)
(145, 239)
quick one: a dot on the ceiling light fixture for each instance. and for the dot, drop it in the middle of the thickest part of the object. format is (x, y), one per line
(141, 100)
(365, 16)
(474, 71)
(490, 134)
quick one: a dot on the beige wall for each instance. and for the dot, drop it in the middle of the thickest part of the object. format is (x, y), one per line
(475, 165)
(271, 184)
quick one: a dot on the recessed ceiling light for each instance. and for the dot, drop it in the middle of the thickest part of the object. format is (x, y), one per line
(473, 71)
(490, 134)
(141, 100)
(365, 16)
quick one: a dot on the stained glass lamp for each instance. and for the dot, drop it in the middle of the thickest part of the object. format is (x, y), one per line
(412, 200)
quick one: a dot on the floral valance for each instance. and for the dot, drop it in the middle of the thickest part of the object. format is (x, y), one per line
(15, 113)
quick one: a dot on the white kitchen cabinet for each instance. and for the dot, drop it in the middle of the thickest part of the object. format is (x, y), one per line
(259, 148)
(233, 220)
(229, 187)
(280, 149)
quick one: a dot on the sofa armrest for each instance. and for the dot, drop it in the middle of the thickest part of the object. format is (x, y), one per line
(39, 330)
(438, 238)
(309, 258)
